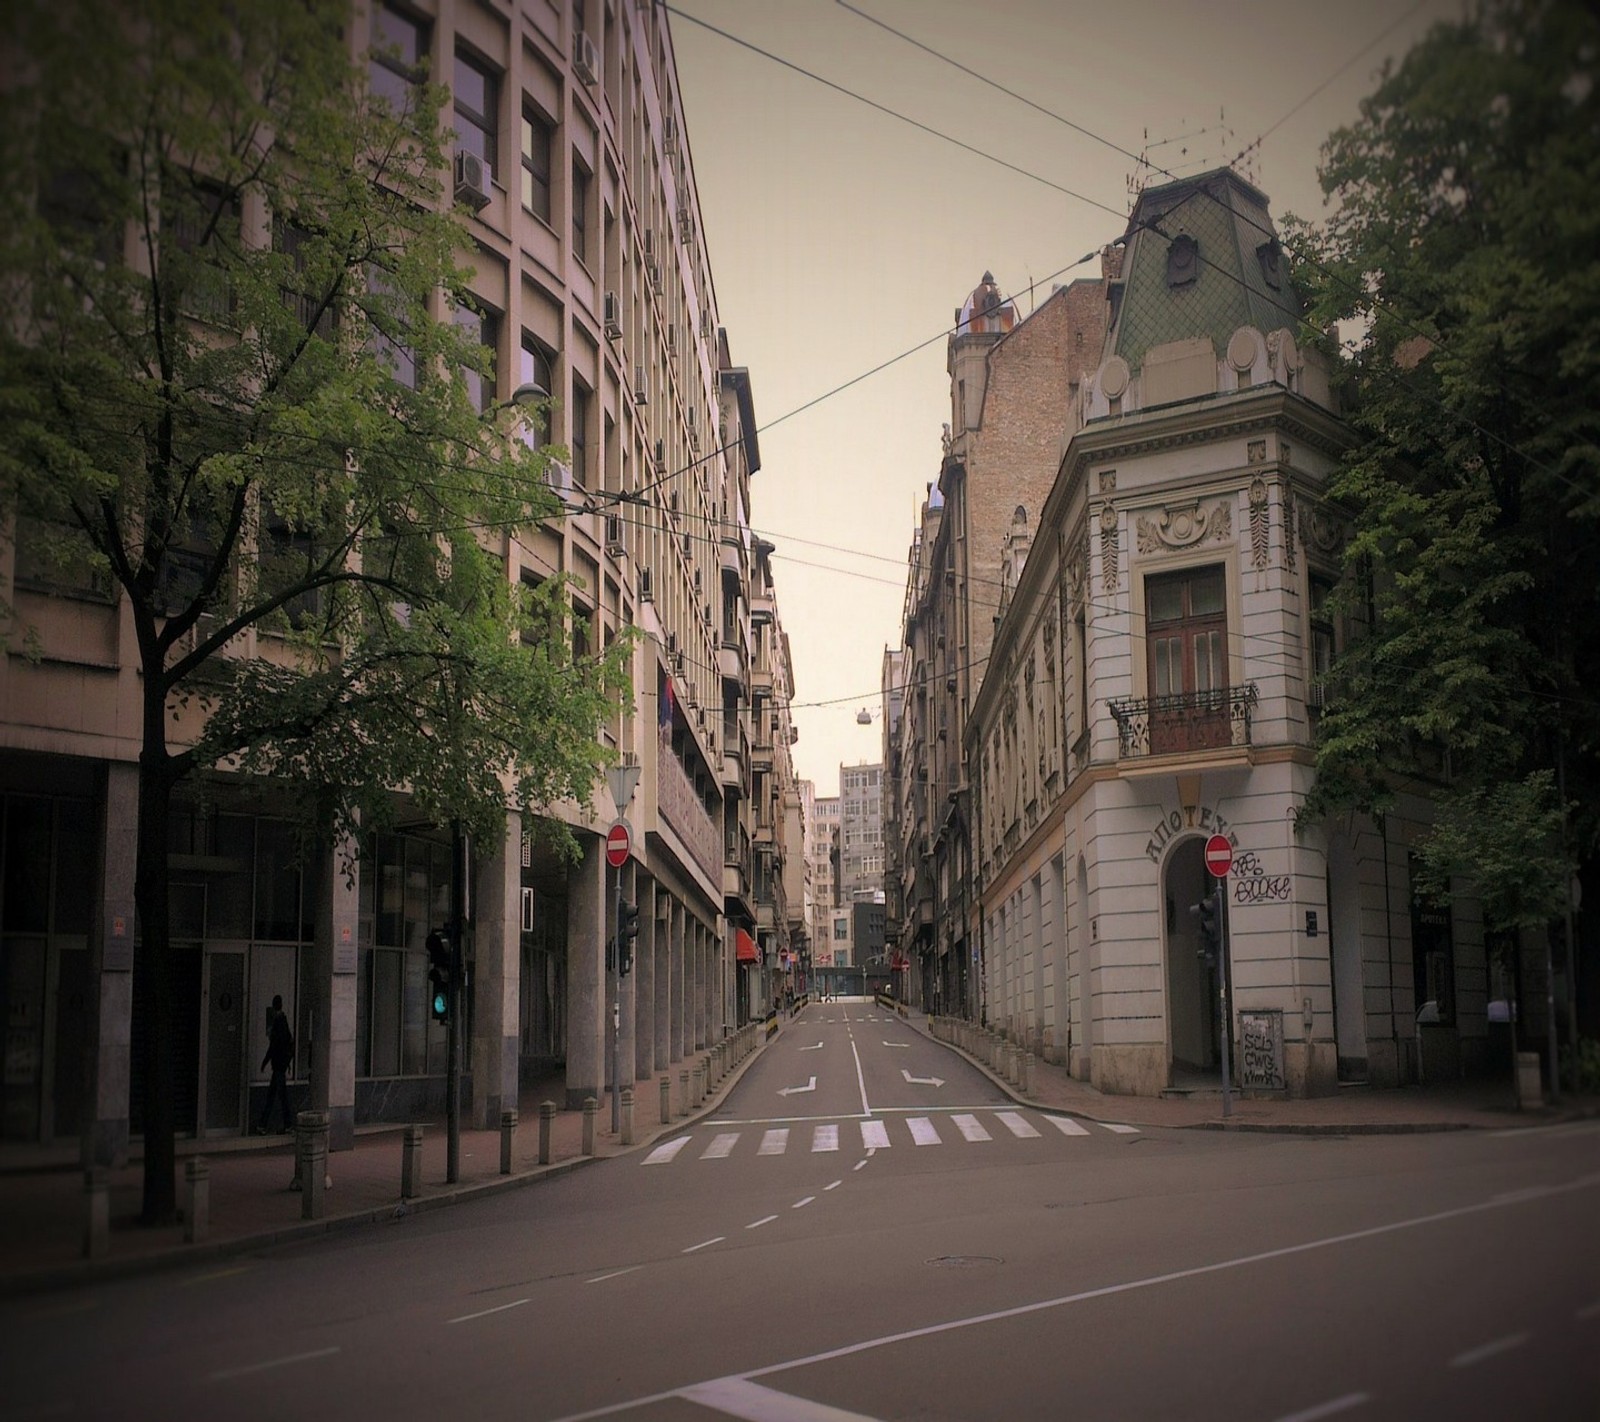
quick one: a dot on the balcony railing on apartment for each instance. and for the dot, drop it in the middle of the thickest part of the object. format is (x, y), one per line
(1190, 721)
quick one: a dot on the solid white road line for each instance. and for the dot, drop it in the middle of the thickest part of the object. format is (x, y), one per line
(1067, 1126)
(224, 1374)
(824, 1138)
(1022, 1129)
(774, 1142)
(1489, 1350)
(1120, 1130)
(468, 1317)
(704, 1244)
(737, 1397)
(923, 1131)
(756, 1224)
(859, 1165)
(861, 1080)
(663, 1153)
(1128, 1286)
(1327, 1409)
(971, 1128)
(721, 1146)
(874, 1135)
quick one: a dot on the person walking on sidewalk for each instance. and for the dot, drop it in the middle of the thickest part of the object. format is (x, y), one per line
(280, 1052)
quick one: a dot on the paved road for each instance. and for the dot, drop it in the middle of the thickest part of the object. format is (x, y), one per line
(1104, 1274)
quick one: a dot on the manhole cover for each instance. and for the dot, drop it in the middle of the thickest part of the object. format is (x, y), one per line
(963, 1261)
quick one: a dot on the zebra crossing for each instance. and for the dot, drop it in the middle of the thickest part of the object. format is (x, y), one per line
(882, 1133)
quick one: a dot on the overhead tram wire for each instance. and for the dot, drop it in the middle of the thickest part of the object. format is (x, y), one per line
(1349, 287)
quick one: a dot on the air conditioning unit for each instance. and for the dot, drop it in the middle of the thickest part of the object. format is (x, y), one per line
(686, 224)
(669, 134)
(585, 59)
(613, 316)
(615, 547)
(661, 456)
(697, 580)
(472, 179)
(649, 244)
(641, 392)
(672, 340)
(672, 643)
(694, 440)
(652, 269)
(646, 587)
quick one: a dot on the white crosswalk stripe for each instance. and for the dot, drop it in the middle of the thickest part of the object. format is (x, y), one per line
(879, 1134)
(1067, 1126)
(923, 1131)
(971, 1128)
(1017, 1125)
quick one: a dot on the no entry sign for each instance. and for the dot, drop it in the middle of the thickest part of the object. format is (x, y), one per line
(617, 844)
(1219, 855)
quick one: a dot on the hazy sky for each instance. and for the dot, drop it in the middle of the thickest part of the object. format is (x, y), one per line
(841, 237)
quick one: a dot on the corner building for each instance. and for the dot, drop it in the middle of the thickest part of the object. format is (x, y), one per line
(1153, 680)
(591, 280)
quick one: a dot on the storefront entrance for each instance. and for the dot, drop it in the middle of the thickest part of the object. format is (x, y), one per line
(1194, 1056)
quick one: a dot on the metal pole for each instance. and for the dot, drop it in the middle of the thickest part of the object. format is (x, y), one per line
(616, 1015)
(1222, 996)
(452, 1095)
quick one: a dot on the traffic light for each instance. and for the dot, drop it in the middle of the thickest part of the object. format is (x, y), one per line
(626, 933)
(439, 966)
(1208, 912)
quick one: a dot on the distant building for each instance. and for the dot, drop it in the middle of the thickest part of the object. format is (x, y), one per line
(860, 832)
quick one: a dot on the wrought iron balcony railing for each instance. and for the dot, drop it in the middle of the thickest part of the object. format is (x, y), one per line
(1190, 721)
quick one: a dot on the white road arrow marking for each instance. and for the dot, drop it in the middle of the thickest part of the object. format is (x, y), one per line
(816, 1048)
(796, 1090)
(922, 1080)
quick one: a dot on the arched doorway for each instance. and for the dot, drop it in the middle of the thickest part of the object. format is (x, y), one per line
(1193, 1052)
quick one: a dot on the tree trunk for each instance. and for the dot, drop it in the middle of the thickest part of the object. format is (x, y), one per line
(154, 964)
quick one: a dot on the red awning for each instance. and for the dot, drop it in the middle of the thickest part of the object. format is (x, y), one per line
(746, 948)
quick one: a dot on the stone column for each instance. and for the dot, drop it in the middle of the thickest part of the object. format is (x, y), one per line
(108, 1064)
(694, 981)
(662, 929)
(644, 983)
(496, 983)
(586, 975)
(628, 987)
(677, 949)
(336, 950)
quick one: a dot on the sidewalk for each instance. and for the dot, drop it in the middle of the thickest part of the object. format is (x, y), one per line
(1354, 1110)
(43, 1205)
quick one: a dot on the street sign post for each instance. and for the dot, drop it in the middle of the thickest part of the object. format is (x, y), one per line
(1219, 856)
(618, 844)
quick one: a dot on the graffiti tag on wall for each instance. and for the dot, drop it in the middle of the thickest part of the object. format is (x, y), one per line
(1253, 885)
(1261, 1050)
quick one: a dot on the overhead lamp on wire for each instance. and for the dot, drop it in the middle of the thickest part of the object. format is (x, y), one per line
(864, 716)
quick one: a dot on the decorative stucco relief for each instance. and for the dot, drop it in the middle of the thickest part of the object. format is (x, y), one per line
(1288, 529)
(1260, 525)
(1320, 531)
(1185, 527)
(1109, 551)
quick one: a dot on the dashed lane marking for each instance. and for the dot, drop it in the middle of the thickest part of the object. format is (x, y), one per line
(484, 1313)
(223, 1374)
(1327, 1409)
(1489, 1350)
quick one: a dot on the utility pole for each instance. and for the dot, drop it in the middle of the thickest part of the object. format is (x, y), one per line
(458, 967)
(622, 780)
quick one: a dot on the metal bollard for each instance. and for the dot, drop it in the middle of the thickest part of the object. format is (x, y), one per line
(1027, 1070)
(683, 1092)
(197, 1201)
(590, 1106)
(97, 1217)
(311, 1128)
(411, 1163)
(666, 1100)
(508, 1136)
(547, 1119)
(627, 1115)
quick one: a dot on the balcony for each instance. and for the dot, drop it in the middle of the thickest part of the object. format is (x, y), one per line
(1184, 724)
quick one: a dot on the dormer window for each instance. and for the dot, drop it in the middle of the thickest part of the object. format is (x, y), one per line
(1183, 260)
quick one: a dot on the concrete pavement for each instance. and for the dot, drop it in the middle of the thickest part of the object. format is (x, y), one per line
(44, 1210)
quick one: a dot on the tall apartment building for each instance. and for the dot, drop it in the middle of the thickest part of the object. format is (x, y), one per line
(1153, 682)
(822, 850)
(590, 279)
(860, 832)
(1012, 383)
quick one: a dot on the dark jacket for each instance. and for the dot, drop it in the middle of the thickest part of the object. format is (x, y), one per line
(280, 1044)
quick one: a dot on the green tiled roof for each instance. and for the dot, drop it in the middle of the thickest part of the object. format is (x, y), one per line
(1229, 219)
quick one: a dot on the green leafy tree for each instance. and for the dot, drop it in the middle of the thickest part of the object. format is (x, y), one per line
(236, 389)
(1464, 242)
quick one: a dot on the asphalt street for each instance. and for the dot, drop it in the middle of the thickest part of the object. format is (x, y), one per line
(867, 1228)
